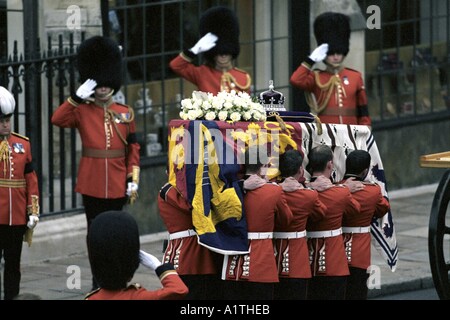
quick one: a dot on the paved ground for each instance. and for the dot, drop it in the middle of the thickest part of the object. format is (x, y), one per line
(68, 277)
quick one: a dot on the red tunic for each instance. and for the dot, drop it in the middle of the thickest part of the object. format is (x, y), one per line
(347, 102)
(173, 289)
(18, 181)
(187, 256)
(372, 204)
(102, 177)
(208, 79)
(292, 254)
(339, 203)
(263, 207)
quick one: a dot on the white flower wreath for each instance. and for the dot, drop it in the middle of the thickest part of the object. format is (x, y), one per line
(234, 106)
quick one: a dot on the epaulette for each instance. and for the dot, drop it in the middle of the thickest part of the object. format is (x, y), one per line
(125, 106)
(91, 293)
(351, 69)
(240, 70)
(122, 104)
(20, 136)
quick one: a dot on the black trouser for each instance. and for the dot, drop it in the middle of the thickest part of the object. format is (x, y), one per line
(203, 286)
(11, 239)
(327, 288)
(291, 289)
(246, 290)
(93, 207)
(357, 284)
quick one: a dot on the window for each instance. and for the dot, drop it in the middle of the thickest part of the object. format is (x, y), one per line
(407, 62)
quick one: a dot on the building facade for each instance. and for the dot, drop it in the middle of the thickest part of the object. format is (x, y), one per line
(400, 46)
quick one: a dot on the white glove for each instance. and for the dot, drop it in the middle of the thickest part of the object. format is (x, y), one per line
(132, 186)
(319, 53)
(148, 260)
(86, 89)
(32, 221)
(207, 42)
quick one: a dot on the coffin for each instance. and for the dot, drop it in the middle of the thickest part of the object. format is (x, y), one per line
(204, 164)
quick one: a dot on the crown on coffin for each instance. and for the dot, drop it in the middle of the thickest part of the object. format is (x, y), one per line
(271, 99)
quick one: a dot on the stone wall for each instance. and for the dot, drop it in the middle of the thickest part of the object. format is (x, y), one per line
(401, 148)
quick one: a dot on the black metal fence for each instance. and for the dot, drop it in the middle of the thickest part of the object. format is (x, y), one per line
(40, 82)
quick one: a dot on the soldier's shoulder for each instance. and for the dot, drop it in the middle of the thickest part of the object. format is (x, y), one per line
(353, 70)
(90, 294)
(20, 136)
(122, 105)
(240, 70)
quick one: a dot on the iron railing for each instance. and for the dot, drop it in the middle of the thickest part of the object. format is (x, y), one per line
(49, 76)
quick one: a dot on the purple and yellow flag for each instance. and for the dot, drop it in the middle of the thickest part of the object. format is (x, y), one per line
(205, 166)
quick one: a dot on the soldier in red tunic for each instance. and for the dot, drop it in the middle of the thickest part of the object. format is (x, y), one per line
(19, 196)
(335, 93)
(109, 167)
(291, 247)
(219, 28)
(252, 276)
(356, 229)
(114, 255)
(196, 265)
(326, 246)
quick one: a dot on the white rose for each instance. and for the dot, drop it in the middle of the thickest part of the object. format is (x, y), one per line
(197, 104)
(210, 116)
(206, 105)
(186, 104)
(228, 105)
(223, 115)
(247, 115)
(235, 116)
(183, 115)
(199, 113)
(256, 115)
(192, 114)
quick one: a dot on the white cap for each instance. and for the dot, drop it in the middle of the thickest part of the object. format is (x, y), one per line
(7, 103)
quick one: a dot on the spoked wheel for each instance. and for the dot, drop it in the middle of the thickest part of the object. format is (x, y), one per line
(439, 238)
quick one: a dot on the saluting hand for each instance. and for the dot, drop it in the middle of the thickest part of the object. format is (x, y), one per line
(148, 260)
(319, 53)
(207, 42)
(86, 89)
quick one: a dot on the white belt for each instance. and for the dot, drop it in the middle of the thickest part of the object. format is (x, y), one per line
(324, 234)
(260, 235)
(289, 235)
(182, 234)
(356, 229)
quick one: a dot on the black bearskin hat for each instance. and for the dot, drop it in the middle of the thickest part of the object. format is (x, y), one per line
(113, 243)
(333, 28)
(100, 58)
(224, 23)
